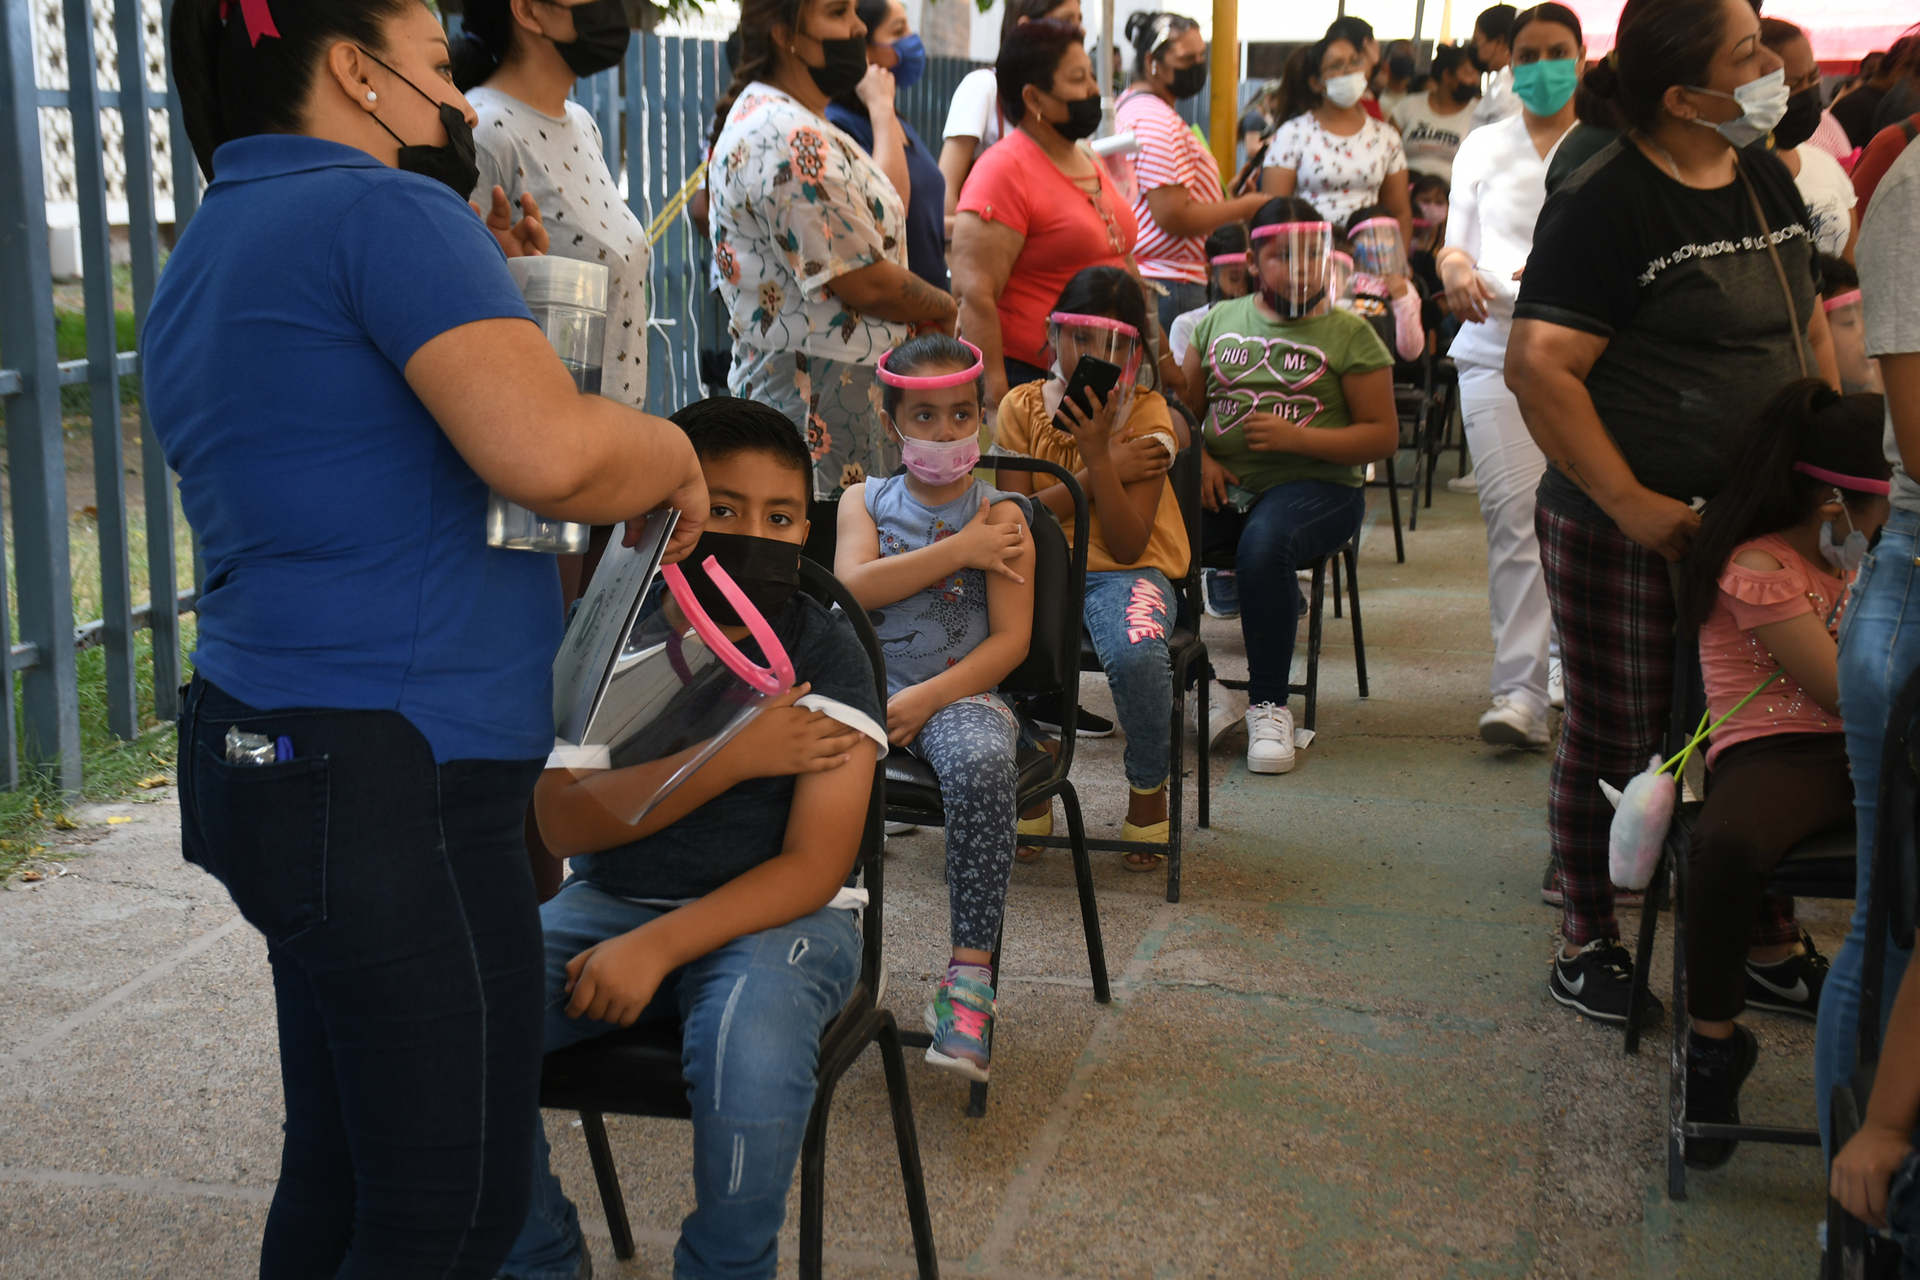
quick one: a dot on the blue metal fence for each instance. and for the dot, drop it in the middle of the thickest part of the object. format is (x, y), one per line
(654, 113)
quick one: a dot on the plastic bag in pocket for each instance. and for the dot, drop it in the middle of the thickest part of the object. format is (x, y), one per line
(679, 691)
(261, 830)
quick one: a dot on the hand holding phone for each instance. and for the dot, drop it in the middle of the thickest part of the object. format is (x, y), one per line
(1092, 373)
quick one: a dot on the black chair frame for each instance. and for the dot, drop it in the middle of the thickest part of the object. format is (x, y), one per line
(637, 1071)
(1042, 775)
(1854, 1251)
(1821, 866)
(1316, 619)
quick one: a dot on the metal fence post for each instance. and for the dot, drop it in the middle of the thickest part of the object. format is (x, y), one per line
(38, 481)
(103, 380)
(186, 203)
(143, 237)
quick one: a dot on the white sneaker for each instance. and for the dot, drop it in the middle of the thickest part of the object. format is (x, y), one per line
(1468, 483)
(1556, 685)
(1508, 724)
(1225, 707)
(898, 828)
(1269, 739)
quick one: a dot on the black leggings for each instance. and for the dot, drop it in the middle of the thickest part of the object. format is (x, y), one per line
(1764, 796)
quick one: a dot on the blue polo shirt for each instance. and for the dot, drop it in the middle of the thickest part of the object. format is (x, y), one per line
(345, 539)
(926, 201)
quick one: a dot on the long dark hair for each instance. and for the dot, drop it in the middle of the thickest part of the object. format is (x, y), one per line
(1661, 43)
(485, 41)
(1105, 291)
(758, 18)
(1296, 95)
(234, 87)
(1809, 422)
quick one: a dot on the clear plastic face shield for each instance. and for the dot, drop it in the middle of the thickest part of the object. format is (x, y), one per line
(1378, 249)
(937, 419)
(1847, 323)
(644, 696)
(1293, 266)
(1340, 279)
(1075, 337)
(1227, 276)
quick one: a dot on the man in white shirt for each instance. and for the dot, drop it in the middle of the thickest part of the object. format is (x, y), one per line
(1492, 51)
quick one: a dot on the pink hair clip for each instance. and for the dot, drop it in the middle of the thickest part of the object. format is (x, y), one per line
(937, 380)
(256, 15)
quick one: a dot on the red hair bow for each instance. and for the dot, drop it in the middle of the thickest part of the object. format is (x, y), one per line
(256, 15)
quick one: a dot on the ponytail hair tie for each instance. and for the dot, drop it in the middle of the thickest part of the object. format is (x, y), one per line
(256, 15)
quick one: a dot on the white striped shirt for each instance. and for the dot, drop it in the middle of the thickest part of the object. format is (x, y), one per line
(1170, 156)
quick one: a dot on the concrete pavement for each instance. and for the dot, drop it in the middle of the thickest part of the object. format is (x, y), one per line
(1334, 1057)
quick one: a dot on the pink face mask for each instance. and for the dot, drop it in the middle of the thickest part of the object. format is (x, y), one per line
(939, 461)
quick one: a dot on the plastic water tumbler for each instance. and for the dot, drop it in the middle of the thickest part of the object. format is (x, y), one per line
(569, 302)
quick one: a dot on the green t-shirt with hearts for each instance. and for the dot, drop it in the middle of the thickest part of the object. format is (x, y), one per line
(1292, 368)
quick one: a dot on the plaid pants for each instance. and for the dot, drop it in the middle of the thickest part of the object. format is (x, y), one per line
(1613, 606)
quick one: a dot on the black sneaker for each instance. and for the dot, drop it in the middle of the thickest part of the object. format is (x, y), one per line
(1045, 714)
(1598, 981)
(1790, 986)
(1715, 1071)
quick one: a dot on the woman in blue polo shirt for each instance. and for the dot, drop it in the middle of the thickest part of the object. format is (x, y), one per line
(338, 366)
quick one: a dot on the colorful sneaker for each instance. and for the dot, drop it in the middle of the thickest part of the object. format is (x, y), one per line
(960, 1019)
(1220, 591)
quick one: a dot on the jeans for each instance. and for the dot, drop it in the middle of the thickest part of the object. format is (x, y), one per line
(400, 922)
(1508, 465)
(751, 1014)
(1877, 654)
(1182, 297)
(1129, 615)
(1288, 528)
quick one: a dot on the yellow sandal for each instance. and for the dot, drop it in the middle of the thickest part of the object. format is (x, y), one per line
(1152, 833)
(1040, 826)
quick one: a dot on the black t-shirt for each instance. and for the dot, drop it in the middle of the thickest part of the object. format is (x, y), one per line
(1855, 113)
(1680, 284)
(1582, 143)
(746, 825)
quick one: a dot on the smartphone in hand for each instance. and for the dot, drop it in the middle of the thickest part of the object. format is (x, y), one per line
(1091, 374)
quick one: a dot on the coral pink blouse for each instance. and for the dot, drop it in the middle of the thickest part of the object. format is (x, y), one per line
(1733, 660)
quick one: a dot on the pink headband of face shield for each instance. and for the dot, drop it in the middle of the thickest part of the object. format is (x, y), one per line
(1839, 300)
(1281, 228)
(1094, 322)
(1859, 484)
(1228, 260)
(935, 381)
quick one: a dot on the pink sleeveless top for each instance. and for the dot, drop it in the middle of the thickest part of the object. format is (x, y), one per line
(1733, 660)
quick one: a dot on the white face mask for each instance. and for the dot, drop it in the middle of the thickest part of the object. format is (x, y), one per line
(1850, 554)
(1344, 91)
(1763, 103)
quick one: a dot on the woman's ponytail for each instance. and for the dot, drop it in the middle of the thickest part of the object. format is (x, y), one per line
(237, 79)
(755, 62)
(486, 38)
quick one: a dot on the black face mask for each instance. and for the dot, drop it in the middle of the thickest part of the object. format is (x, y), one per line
(1800, 122)
(1400, 67)
(1083, 117)
(766, 569)
(455, 163)
(1188, 81)
(846, 65)
(600, 36)
(1464, 93)
(1479, 63)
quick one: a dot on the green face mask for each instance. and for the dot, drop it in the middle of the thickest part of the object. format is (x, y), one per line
(1545, 86)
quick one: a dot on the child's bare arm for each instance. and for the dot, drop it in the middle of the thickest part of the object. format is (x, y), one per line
(877, 580)
(613, 981)
(578, 811)
(1010, 631)
(1864, 1169)
(1801, 644)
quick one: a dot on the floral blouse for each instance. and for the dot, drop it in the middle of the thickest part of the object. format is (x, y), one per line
(797, 203)
(1338, 176)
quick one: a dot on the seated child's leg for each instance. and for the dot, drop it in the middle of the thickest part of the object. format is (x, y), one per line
(754, 1011)
(1290, 527)
(971, 746)
(1130, 615)
(1763, 797)
(576, 918)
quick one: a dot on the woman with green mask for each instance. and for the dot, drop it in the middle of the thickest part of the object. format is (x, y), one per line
(1499, 186)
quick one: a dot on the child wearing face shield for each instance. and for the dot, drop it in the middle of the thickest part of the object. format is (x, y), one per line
(1226, 278)
(1137, 542)
(1846, 321)
(1295, 397)
(1765, 584)
(946, 564)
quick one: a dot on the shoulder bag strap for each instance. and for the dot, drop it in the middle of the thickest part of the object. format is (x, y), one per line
(1786, 290)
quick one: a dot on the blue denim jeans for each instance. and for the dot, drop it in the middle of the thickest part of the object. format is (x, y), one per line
(1878, 651)
(1287, 529)
(752, 1013)
(400, 921)
(1182, 297)
(1130, 615)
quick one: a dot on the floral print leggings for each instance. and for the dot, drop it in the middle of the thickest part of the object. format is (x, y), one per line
(971, 745)
(833, 403)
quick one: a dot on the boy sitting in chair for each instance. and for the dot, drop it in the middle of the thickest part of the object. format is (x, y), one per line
(725, 907)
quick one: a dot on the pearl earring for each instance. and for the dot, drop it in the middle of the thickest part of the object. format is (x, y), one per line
(372, 96)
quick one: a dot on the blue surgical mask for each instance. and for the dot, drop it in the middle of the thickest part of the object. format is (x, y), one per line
(1851, 553)
(913, 61)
